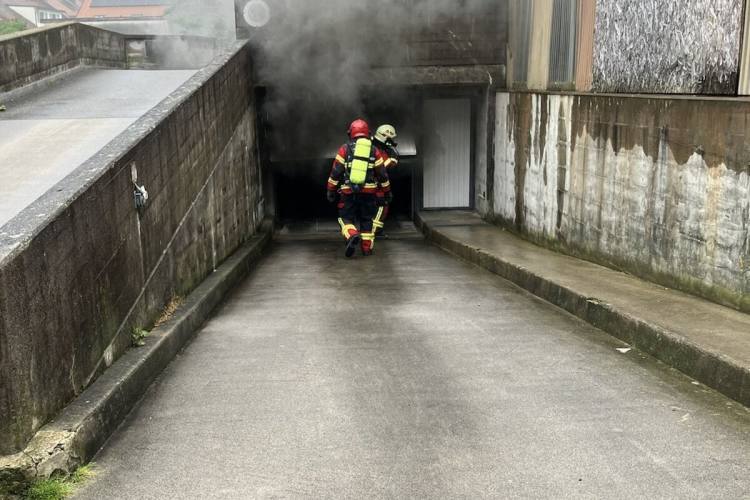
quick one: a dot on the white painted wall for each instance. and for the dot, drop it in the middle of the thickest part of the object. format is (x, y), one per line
(28, 13)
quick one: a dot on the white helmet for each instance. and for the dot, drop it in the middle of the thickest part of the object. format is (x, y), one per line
(385, 133)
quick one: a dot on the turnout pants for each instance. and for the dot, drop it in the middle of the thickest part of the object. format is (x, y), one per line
(363, 209)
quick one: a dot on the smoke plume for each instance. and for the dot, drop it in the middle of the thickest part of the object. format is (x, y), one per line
(316, 56)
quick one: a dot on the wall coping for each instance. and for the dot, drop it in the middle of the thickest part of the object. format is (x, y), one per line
(660, 97)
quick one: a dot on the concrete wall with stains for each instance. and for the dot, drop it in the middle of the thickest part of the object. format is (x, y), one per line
(659, 187)
(27, 57)
(81, 267)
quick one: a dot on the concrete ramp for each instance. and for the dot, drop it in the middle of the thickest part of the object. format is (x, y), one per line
(414, 375)
(47, 133)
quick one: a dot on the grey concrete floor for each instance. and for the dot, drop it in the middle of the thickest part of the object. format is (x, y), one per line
(415, 375)
(46, 134)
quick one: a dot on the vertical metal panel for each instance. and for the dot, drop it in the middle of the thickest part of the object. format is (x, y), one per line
(519, 37)
(667, 46)
(538, 76)
(744, 84)
(447, 153)
(563, 44)
(585, 44)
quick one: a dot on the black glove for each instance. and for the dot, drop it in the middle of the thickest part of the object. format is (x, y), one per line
(331, 196)
(388, 198)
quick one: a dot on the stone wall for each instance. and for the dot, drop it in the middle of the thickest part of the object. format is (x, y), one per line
(29, 57)
(659, 187)
(81, 267)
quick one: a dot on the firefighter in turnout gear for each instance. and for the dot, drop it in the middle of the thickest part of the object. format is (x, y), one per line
(385, 141)
(358, 173)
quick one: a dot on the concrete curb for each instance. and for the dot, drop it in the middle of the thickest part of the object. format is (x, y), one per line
(81, 429)
(714, 369)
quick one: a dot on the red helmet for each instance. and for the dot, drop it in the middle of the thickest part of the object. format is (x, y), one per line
(359, 128)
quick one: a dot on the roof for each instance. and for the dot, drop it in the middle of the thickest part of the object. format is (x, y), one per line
(39, 4)
(8, 14)
(123, 8)
(127, 3)
(68, 7)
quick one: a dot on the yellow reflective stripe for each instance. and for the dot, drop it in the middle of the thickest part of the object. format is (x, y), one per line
(376, 221)
(371, 185)
(332, 182)
(340, 159)
(386, 184)
(345, 228)
(368, 236)
(378, 162)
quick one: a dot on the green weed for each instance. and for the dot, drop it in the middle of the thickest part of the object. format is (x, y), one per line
(60, 488)
(138, 337)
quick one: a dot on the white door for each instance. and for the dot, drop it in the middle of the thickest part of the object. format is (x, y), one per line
(447, 153)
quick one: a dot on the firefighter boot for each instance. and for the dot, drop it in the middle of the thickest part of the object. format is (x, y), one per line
(352, 236)
(368, 242)
(352, 244)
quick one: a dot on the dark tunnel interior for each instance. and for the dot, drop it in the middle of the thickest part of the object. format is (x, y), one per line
(300, 167)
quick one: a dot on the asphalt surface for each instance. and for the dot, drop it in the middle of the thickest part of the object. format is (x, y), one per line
(414, 375)
(47, 133)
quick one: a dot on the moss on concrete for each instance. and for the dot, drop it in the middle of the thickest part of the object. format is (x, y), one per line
(687, 284)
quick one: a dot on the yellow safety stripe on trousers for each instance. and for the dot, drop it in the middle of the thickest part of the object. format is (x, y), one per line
(345, 228)
(332, 182)
(376, 221)
(340, 159)
(369, 237)
(386, 184)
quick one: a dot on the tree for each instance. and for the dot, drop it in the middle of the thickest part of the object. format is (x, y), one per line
(8, 26)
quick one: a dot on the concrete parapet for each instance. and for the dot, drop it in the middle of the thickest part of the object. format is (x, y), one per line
(75, 436)
(28, 57)
(82, 267)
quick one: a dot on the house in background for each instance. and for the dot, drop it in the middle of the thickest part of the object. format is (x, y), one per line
(39, 12)
(130, 17)
(9, 15)
(120, 9)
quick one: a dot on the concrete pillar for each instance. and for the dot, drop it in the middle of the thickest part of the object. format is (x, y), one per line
(585, 45)
(541, 31)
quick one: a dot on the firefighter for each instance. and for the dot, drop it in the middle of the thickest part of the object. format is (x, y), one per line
(358, 173)
(385, 141)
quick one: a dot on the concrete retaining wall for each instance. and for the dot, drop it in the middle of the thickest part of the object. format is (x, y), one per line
(81, 267)
(28, 57)
(657, 187)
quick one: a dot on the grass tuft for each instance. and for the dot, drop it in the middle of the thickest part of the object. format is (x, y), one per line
(50, 489)
(82, 474)
(60, 488)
